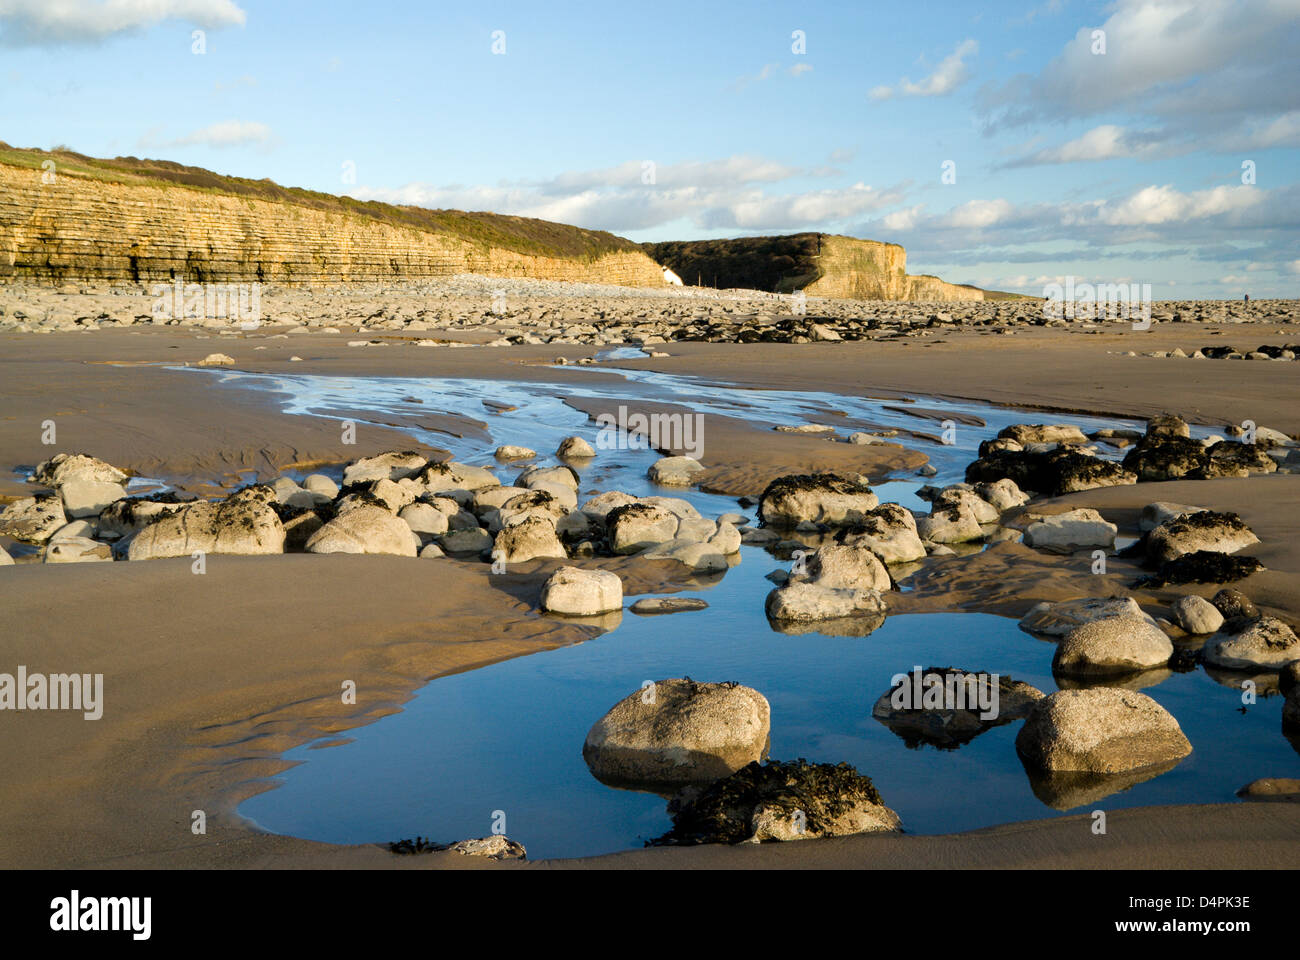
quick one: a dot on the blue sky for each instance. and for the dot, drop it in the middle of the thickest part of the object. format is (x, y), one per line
(1117, 166)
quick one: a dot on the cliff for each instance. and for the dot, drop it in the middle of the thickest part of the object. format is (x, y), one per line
(822, 265)
(63, 215)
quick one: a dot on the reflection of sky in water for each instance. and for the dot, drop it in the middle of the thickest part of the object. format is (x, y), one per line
(509, 736)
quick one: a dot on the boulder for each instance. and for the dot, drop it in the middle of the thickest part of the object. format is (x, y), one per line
(1058, 619)
(700, 557)
(574, 592)
(779, 801)
(289, 494)
(635, 526)
(824, 499)
(393, 465)
(33, 519)
(424, 518)
(1027, 433)
(527, 538)
(321, 485)
(443, 476)
(64, 467)
(1002, 494)
(533, 477)
(804, 602)
(76, 550)
(726, 540)
(1168, 425)
(1162, 511)
(5, 559)
(575, 448)
(849, 567)
(654, 606)
(1202, 530)
(599, 507)
(1101, 730)
(1266, 643)
(496, 847)
(953, 523)
(362, 526)
(960, 495)
(675, 471)
(954, 712)
(1115, 645)
(1233, 603)
(510, 452)
(466, 540)
(1070, 531)
(127, 516)
(244, 523)
(1203, 566)
(1056, 472)
(1197, 615)
(890, 530)
(678, 731)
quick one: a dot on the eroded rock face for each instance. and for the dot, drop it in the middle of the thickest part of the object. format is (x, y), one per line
(678, 731)
(244, 523)
(1266, 643)
(957, 717)
(1114, 645)
(1101, 730)
(1202, 530)
(780, 801)
(822, 499)
(365, 526)
(890, 530)
(574, 592)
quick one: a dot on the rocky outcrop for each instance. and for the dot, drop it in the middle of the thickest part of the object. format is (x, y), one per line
(104, 220)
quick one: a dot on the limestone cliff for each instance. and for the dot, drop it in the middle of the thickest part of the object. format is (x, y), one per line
(67, 216)
(822, 265)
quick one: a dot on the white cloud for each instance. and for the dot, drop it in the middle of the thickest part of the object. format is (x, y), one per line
(49, 22)
(951, 73)
(977, 213)
(799, 68)
(228, 133)
(1153, 205)
(1100, 143)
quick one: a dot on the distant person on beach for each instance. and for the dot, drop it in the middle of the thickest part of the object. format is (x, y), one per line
(1246, 298)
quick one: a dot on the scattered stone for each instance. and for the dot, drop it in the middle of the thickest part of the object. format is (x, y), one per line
(653, 606)
(574, 592)
(1070, 531)
(1233, 604)
(1058, 619)
(364, 525)
(33, 519)
(675, 471)
(1203, 530)
(1197, 615)
(244, 523)
(496, 847)
(1115, 645)
(1099, 730)
(826, 499)
(1203, 566)
(804, 602)
(386, 466)
(216, 360)
(1266, 643)
(945, 706)
(575, 448)
(508, 452)
(528, 538)
(1271, 789)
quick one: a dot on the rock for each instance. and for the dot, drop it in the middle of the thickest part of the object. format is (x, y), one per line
(779, 801)
(927, 470)
(1099, 730)
(946, 707)
(675, 471)
(825, 498)
(678, 731)
(447, 476)
(1166, 457)
(635, 526)
(530, 503)
(1115, 645)
(1070, 531)
(1168, 425)
(76, 550)
(33, 519)
(1203, 566)
(289, 494)
(496, 847)
(528, 538)
(1233, 603)
(1026, 433)
(245, 523)
(548, 478)
(726, 540)
(1202, 530)
(699, 557)
(949, 524)
(1162, 511)
(431, 551)
(890, 530)
(298, 529)
(466, 541)
(386, 466)
(216, 360)
(1001, 494)
(424, 518)
(127, 516)
(804, 602)
(599, 507)
(1053, 473)
(508, 452)
(63, 467)
(363, 526)
(1266, 643)
(574, 448)
(963, 496)
(1227, 458)
(1058, 619)
(849, 567)
(574, 592)
(653, 606)
(1197, 615)
(321, 485)
(805, 428)
(5, 559)
(1271, 788)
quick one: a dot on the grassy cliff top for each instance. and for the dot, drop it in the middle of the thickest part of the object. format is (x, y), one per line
(519, 234)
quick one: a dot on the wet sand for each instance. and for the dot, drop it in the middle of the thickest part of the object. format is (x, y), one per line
(210, 678)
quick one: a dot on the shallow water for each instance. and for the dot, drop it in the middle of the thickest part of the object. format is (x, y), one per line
(508, 737)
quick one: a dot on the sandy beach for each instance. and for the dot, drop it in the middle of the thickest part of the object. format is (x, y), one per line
(212, 678)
